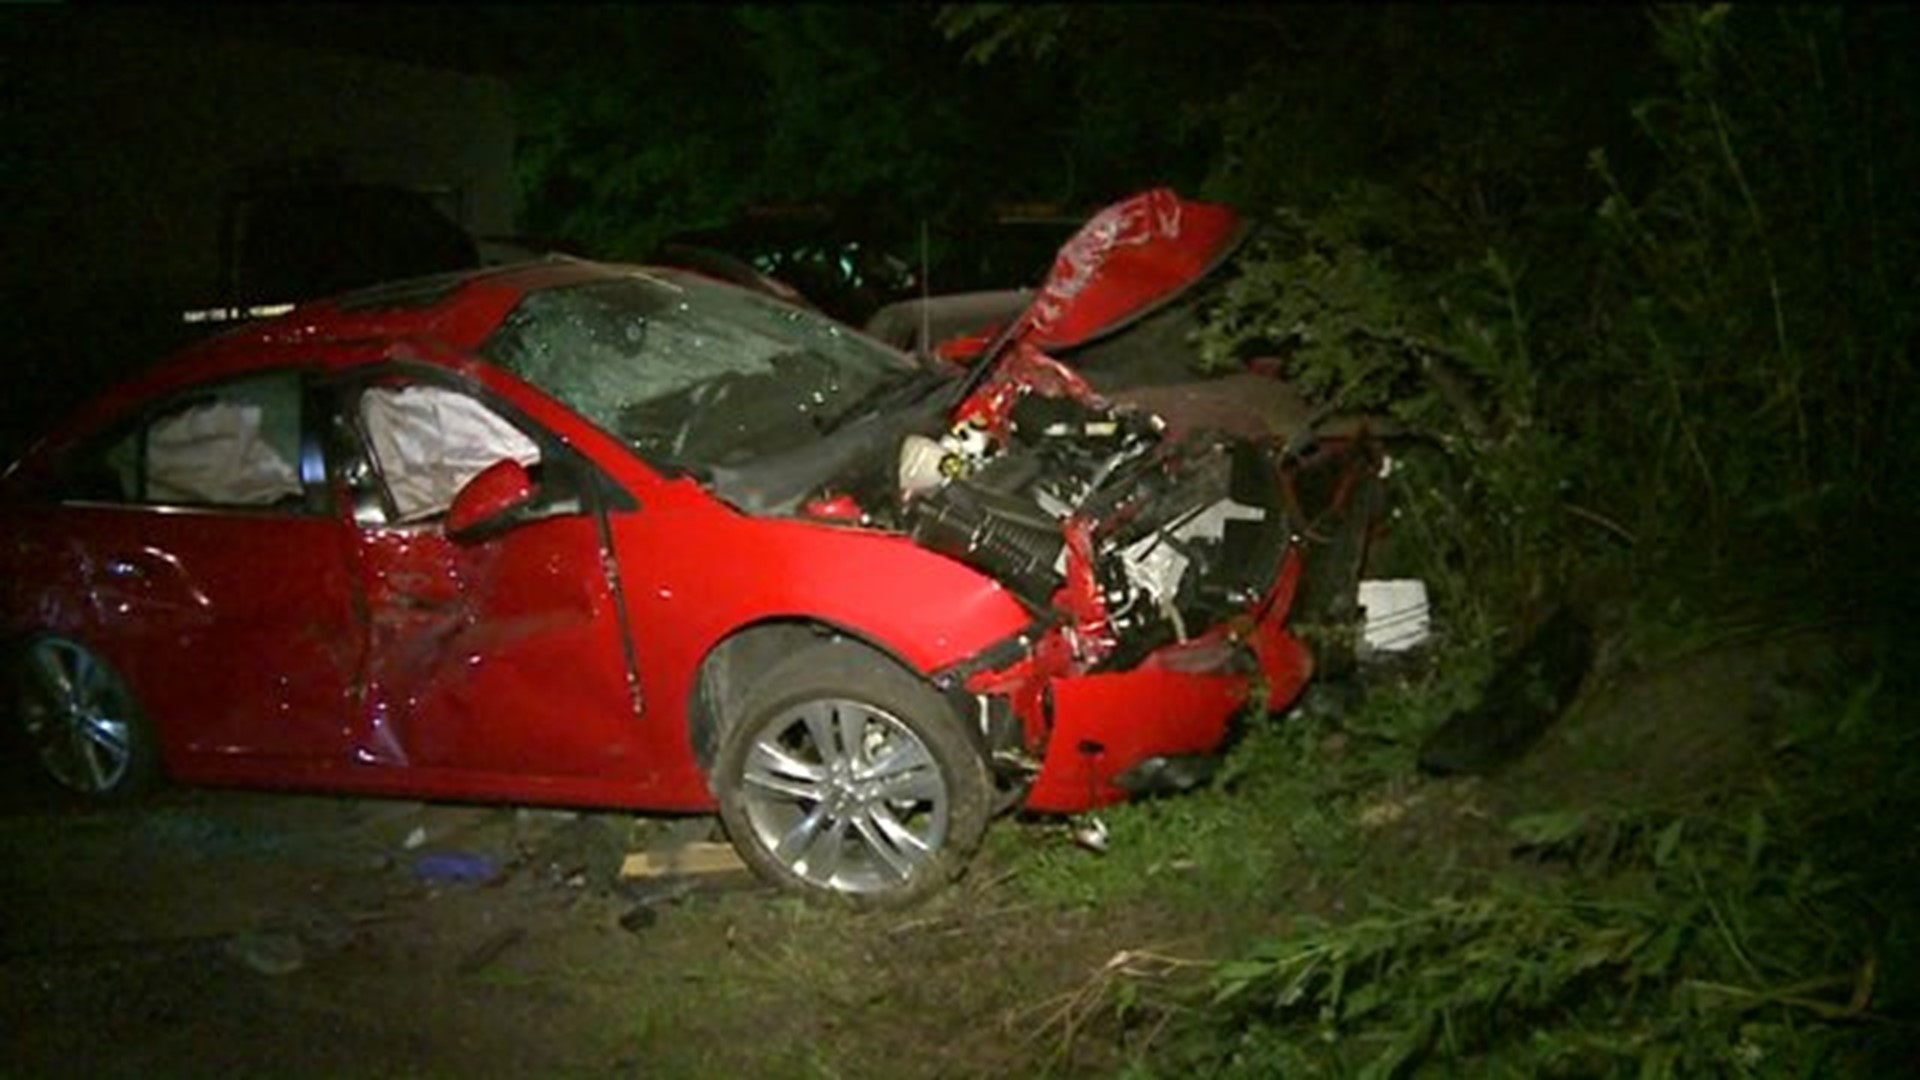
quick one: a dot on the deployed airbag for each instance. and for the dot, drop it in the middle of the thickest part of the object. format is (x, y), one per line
(215, 453)
(430, 441)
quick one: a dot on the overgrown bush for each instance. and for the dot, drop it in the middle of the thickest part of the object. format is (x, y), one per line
(1753, 935)
(1373, 310)
(1734, 402)
(1715, 370)
(1758, 339)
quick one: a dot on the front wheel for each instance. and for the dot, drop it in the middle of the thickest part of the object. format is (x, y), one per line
(844, 776)
(81, 722)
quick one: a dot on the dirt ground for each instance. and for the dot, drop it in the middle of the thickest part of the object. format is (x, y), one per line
(231, 933)
(235, 933)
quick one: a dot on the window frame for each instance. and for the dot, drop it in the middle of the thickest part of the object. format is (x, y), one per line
(72, 486)
(569, 481)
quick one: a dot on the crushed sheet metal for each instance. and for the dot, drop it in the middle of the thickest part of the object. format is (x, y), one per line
(1126, 261)
(1104, 724)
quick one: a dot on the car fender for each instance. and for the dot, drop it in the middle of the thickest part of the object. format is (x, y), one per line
(697, 575)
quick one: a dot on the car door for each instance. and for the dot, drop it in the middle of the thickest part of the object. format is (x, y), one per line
(214, 571)
(506, 656)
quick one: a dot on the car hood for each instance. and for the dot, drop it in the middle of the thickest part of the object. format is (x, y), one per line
(1125, 263)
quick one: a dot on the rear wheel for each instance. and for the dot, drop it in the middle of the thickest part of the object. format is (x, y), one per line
(80, 721)
(843, 775)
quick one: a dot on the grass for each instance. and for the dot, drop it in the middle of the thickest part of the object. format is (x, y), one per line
(1573, 916)
(1290, 800)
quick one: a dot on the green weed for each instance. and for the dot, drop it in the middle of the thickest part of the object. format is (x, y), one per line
(1751, 936)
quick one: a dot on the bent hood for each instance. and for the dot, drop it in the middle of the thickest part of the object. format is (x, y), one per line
(1126, 262)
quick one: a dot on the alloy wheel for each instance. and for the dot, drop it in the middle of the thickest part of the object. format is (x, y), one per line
(79, 718)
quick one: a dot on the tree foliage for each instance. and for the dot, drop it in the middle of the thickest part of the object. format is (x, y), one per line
(610, 161)
(1758, 299)
(867, 112)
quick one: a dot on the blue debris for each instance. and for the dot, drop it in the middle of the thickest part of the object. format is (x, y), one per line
(467, 866)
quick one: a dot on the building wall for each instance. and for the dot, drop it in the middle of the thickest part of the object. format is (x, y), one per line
(125, 140)
(120, 144)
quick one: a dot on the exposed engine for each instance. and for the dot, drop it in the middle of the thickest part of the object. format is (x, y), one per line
(1092, 513)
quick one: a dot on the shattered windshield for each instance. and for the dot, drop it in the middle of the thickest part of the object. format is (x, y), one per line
(693, 373)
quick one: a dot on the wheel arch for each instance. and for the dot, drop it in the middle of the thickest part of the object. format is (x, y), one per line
(724, 677)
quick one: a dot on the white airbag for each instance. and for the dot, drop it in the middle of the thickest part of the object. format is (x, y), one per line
(429, 442)
(214, 453)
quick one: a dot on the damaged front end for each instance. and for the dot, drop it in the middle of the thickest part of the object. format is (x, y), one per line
(1159, 572)
(1160, 569)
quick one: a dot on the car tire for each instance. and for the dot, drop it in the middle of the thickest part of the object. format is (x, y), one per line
(80, 723)
(843, 776)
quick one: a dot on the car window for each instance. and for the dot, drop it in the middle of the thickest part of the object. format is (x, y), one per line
(236, 444)
(428, 441)
(691, 372)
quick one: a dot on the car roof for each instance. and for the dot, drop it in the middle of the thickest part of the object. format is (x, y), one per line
(458, 309)
(444, 312)
(454, 311)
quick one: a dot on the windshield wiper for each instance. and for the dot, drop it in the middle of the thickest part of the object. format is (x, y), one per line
(892, 395)
(989, 359)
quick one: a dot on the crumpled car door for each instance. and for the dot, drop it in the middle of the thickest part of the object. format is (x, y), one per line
(197, 552)
(502, 656)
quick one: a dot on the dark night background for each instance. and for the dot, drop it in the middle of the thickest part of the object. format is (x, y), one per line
(1641, 279)
(134, 130)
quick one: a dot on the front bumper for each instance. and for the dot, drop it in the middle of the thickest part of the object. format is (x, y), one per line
(1105, 729)
(1165, 773)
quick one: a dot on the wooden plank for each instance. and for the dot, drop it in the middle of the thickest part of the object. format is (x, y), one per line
(696, 858)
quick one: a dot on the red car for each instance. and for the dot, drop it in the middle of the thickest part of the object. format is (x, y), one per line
(570, 533)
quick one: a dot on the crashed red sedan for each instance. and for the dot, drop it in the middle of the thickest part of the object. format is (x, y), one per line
(578, 534)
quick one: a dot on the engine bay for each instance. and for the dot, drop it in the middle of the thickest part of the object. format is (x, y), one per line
(1088, 513)
(1092, 512)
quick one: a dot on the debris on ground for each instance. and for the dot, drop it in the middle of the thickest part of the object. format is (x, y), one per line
(696, 858)
(470, 867)
(682, 861)
(639, 918)
(1527, 694)
(1091, 834)
(489, 950)
(1398, 617)
(267, 952)
(585, 852)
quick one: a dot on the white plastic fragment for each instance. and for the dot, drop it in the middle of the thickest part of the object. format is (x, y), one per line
(1397, 615)
(1091, 834)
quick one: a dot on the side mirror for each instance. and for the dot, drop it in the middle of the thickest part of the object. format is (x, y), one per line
(490, 503)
